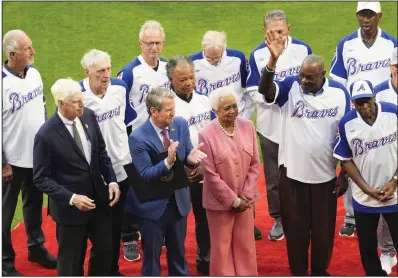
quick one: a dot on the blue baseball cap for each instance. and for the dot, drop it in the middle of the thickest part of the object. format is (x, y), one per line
(361, 89)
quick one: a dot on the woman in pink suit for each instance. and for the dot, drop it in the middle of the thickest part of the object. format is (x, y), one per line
(230, 187)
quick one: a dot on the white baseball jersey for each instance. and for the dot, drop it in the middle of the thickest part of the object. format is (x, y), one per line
(373, 149)
(231, 72)
(140, 79)
(288, 64)
(197, 113)
(309, 127)
(23, 115)
(354, 61)
(110, 113)
(385, 92)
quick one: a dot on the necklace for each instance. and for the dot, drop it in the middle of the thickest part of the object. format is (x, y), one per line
(226, 132)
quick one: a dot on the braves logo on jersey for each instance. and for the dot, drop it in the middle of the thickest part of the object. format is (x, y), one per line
(108, 114)
(280, 75)
(354, 66)
(18, 100)
(199, 118)
(361, 146)
(206, 87)
(300, 111)
(145, 88)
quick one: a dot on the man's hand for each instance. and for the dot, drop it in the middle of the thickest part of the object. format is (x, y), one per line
(375, 193)
(83, 203)
(196, 155)
(388, 190)
(274, 44)
(7, 172)
(341, 186)
(172, 152)
(114, 193)
(196, 175)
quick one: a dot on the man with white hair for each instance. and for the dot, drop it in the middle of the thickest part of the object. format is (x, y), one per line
(71, 165)
(387, 91)
(268, 117)
(217, 66)
(23, 114)
(362, 55)
(144, 72)
(106, 96)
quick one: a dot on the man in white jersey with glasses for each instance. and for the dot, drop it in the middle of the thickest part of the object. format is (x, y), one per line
(23, 114)
(146, 71)
(367, 148)
(268, 116)
(107, 96)
(311, 107)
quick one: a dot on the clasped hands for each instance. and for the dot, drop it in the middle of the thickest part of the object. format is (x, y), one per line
(196, 156)
(384, 194)
(245, 203)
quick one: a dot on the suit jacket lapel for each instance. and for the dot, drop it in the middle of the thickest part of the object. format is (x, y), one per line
(89, 129)
(173, 135)
(65, 134)
(153, 137)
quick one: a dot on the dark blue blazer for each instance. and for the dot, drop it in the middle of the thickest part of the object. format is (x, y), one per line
(143, 143)
(61, 169)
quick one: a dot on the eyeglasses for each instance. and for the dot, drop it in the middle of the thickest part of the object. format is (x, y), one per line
(151, 44)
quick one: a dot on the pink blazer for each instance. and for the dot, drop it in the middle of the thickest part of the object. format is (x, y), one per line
(232, 164)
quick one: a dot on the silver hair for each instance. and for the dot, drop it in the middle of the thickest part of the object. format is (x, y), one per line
(64, 89)
(216, 95)
(11, 41)
(94, 56)
(214, 39)
(151, 24)
(155, 98)
(175, 61)
(315, 59)
(275, 15)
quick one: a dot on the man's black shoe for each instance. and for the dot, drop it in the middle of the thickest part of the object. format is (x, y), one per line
(203, 267)
(39, 254)
(10, 272)
(257, 234)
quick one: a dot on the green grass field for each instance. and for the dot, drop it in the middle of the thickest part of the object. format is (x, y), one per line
(63, 31)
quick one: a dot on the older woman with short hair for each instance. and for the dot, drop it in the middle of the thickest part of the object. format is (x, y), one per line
(230, 187)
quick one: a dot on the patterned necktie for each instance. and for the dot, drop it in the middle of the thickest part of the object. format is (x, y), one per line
(77, 138)
(166, 141)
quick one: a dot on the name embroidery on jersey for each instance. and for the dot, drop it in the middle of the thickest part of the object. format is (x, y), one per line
(361, 146)
(18, 100)
(108, 114)
(300, 111)
(145, 88)
(354, 66)
(199, 118)
(206, 87)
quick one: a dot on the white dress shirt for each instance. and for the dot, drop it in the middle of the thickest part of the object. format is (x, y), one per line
(158, 132)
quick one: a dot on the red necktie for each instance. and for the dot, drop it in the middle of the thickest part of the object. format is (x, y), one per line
(166, 141)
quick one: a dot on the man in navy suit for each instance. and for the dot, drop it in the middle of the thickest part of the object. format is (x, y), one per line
(70, 164)
(162, 218)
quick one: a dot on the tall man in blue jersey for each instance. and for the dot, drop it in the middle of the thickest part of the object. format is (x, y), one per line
(268, 128)
(144, 72)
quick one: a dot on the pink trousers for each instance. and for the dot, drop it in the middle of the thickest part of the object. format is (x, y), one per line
(233, 250)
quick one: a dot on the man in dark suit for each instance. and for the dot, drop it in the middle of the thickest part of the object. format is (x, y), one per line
(162, 218)
(70, 164)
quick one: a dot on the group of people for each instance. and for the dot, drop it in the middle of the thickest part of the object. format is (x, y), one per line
(197, 108)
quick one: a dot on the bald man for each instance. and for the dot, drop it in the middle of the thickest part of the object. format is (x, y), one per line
(311, 108)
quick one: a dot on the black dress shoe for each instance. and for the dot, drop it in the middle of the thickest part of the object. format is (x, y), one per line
(39, 254)
(203, 267)
(10, 272)
(257, 234)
